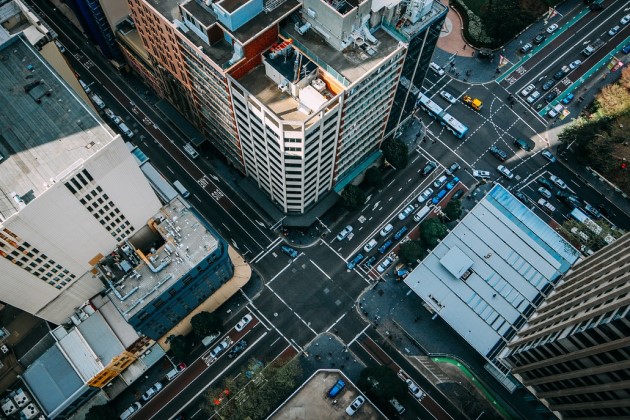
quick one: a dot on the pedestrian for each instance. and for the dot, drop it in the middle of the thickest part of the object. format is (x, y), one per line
(473, 53)
(424, 140)
(457, 74)
(464, 46)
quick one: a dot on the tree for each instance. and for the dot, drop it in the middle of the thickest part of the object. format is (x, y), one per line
(205, 323)
(353, 197)
(431, 231)
(101, 412)
(180, 346)
(396, 153)
(373, 177)
(453, 210)
(410, 251)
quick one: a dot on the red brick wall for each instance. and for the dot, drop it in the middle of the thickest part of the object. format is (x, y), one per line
(252, 51)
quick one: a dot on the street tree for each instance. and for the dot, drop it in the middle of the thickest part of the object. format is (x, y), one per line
(205, 323)
(101, 412)
(453, 210)
(410, 251)
(353, 197)
(431, 231)
(373, 177)
(396, 153)
(180, 346)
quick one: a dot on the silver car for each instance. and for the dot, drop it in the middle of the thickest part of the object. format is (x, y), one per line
(533, 97)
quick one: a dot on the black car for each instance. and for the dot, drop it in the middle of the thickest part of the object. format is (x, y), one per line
(551, 96)
(568, 198)
(539, 39)
(546, 183)
(458, 194)
(522, 197)
(499, 153)
(548, 84)
(429, 168)
(596, 7)
(237, 349)
(522, 144)
(593, 211)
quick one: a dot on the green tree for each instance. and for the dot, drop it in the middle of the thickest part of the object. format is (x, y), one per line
(453, 210)
(431, 231)
(373, 177)
(180, 346)
(411, 251)
(396, 153)
(101, 412)
(353, 197)
(205, 323)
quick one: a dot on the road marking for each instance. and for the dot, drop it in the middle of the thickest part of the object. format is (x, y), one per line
(357, 336)
(169, 169)
(282, 271)
(275, 341)
(264, 252)
(323, 272)
(335, 323)
(291, 309)
(226, 227)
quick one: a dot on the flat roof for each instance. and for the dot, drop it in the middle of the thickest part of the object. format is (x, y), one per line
(201, 12)
(265, 20)
(45, 127)
(509, 260)
(183, 242)
(220, 51)
(231, 5)
(167, 8)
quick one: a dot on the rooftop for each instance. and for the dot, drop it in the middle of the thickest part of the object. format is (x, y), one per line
(492, 270)
(45, 128)
(201, 12)
(156, 257)
(167, 8)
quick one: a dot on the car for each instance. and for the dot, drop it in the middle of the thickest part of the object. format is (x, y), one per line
(355, 405)
(439, 197)
(152, 391)
(237, 349)
(526, 48)
(440, 181)
(521, 196)
(370, 245)
(414, 389)
(538, 39)
(400, 232)
(625, 19)
(406, 212)
(498, 153)
(289, 251)
(240, 325)
(458, 194)
(575, 64)
(568, 198)
(533, 97)
(336, 388)
(384, 265)
(383, 248)
(220, 348)
(551, 96)
(451, 169)
(548, 84)
(437, 69)
(559, 182)
(552, 28)
(386, 230)
(522, 144)
(344, 233)
(568, 99)
(545, 182)
(130, 410)
(562, 72)
(430, 167)
(546, 206)
(505, 172)
(596, 7)
(548, 155)
(481, 174)
(369, 262)
(613, 31)
(450, 98)
(555, 111)
(424, 196)
(356, 260)
(626, 49)
(593, 211)
(544, 192)
(172, 374)
(452, 183)
(527, 90)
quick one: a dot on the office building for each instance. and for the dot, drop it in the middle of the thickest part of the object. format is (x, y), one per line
(296, 95)
(490, 273)
(574, 352)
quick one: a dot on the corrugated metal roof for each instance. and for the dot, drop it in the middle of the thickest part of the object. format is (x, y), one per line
(80, 355)
(100, 338)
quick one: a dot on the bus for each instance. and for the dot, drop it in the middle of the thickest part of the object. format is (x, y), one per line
(579, 215)
(439, 114)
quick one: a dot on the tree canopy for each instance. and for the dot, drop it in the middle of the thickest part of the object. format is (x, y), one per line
(101, 412)
(453, 210)
(431, 231)
(373, 177)
(411, 251)
(205, 323)
(181, 347)
(396, 153)
(352, 197)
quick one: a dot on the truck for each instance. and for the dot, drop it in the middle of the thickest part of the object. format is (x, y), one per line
(182, 190)
(474, 103)
(592, 47)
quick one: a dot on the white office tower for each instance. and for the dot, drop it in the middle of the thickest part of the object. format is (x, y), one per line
(69, 189)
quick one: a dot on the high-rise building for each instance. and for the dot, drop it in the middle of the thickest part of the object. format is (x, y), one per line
(574, 352)
(296, 95)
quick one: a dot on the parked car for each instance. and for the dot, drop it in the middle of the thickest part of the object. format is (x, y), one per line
(498, 153)
(289, 251)
(130, 410)
(575, 64)
(458, 194)
(559, 182)
(383, 248)
(370, 245)
(546, 206)
(538, 39)
(440, 181)
(400, 233)
(425, 195)
(522, 144)
(552, 28)
(593, 211)
(353, 262)
(406, 212)
(240, 325)
(548, 84)
(481, 174)
(336, 388)
(450, 98)
(451, 184)
(344, 233)
(544, 192)
(569, 198)
(548, 155)
(613, 31)
(220, 348)
(439, 197)
(527, 90)
(386, 230)
(526, 48)
(550, 96)
(625, 19)
(562, 72)
(505, 172)
(384, 265)
(430, 167)
(568, 99)
(521, 196)
(626, 49)
(451, 169)
(152, 391)
(414, 389)
(355, 405)
(237, 349)
(370, 262)
(545, 182)
(533, 97)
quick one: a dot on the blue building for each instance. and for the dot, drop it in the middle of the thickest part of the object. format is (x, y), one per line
(166, 270)
(96, 26)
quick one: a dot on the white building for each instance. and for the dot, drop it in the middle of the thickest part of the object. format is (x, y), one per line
(70, 191)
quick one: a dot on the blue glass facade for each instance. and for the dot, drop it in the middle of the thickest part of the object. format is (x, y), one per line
(96, 27)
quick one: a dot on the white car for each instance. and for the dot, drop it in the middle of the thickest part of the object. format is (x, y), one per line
(356, 404)
(450, 98)
(613, 31)
(383, 266)
(344, 233)
(151, 392)
(544, 192)
(415, 389)
(386, 230)
(220, 348)
(129, 411)
(243, 322)
(625, 19)
(505, 172)
(533, 97)
(406, 212)
(370, 245)
(437, 69)
(575, 64)
(559, 182)
(548, 155)
(424, 196)
(440, 181)
(481, 174)
(553, 28)
(527, 90)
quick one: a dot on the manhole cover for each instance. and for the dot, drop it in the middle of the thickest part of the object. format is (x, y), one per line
(275, 314)
(337, 302)
(326, 290)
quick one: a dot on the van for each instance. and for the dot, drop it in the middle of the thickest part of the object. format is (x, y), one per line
(98, 101)
(183, 191)
(191, 151)
(206, 341)
(422, 213)
(126, 131)
(397, 406)
(85, 87)
(436, 69)
(171, 374)
(337, 388)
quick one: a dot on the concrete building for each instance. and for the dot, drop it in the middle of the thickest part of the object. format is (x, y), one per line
(574, 352)
(491, 272)
(296, 95)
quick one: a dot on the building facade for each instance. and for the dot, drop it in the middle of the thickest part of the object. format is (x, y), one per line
(574, 352)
